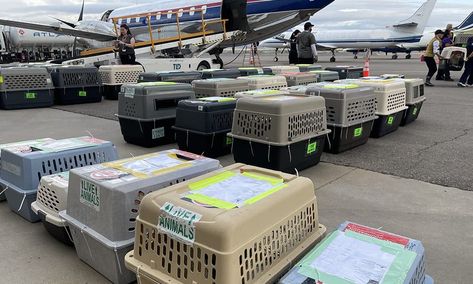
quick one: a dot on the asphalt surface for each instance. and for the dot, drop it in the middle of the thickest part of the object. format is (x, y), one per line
(437, 148)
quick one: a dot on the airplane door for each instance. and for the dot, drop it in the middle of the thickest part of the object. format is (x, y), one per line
(235, 12)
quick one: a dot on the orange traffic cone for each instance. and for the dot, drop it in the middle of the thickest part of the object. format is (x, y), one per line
(366, 68)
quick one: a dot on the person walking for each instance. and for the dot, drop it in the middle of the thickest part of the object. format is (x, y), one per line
(293, 57)
(467, 77)
(306, 49)
(125, 45)
(444, 71)
(433, 50)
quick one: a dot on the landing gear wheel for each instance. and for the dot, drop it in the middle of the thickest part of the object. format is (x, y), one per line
(276, 59)
(333, 59)
(408, 56)
(394, 57)
(204, 65)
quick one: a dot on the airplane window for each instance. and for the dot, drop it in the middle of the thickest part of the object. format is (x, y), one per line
(128, 20)
(181, 11)
(119, 21)
(192, 11)
(169, 14)
(204, 9)
(158, 16)
(138, 19)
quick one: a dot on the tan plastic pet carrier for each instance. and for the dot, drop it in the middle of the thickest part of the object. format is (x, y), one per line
(114, 76)
(260, 93)
(265, 82)
(237, 225)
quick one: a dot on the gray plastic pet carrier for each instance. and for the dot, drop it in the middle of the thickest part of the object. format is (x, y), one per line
(22, 87)
(220, 87)
(103, 203)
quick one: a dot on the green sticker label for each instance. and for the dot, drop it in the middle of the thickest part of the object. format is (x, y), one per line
(229, 141)
(82, 94)
(414, 111)
(358, 131)
(146, 84)
(90, 194)
(217, 99)
(30, 96)
(390, 120)
(157, 133)
(311, 148)
(1, 79)
(340, 86)
(178, 222)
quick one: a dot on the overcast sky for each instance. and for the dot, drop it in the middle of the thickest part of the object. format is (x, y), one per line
(340, 14)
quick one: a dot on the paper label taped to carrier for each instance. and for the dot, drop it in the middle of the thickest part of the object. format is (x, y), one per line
(23, 146)
(157, 133)
(350, 257)
(178, 222)
(90, 194)
(30, 96)
(141, 167)
(229, 190)
(66, 144)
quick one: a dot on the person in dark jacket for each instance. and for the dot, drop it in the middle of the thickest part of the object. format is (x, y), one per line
(125, 45)
(444, 73)
(432, 51)
(306, 45)
(293, 57)
(467, 77)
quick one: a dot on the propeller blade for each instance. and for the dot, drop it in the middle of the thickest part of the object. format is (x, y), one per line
(81, 15)
(65, 22)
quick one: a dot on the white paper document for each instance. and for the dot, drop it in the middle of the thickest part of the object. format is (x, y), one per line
(354, 260)
(237, 189)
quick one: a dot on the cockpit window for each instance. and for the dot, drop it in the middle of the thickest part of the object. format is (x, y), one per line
(105, 15)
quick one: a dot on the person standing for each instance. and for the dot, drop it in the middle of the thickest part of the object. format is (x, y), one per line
(467, 77)
(444, 71)
(306, 49)
(433, 50)
(125, 45)
(293, 57)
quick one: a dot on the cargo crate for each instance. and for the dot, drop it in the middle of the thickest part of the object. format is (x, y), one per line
(173, 76)
(22, 172)
(240, 224)
(402, 259)
(76, 84)
(265, 82)
(251, 71)
(284, 132)
(300, 78)
(347, 72)
(50, 199)
(202, 125)
(260, 93)
(220, 73)
(351, 110)
(308, 67)
(220, 87)
(393, 76)
(147, 111)
(114, 76)
(22, 146)
(326, 76)
(412, 112)
(103, 202)
(22, 87)
(278, 70)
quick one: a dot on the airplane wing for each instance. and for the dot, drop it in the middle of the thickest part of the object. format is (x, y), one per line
(283, 39)
(326, 46)
(58, 29)
(406, 25)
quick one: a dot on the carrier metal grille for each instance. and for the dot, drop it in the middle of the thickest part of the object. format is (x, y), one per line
(255, 125)
(49, 198)
(305, 124)
(26, 82)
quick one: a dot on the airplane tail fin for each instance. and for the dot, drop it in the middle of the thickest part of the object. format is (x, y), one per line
(418, 21)
(466, 24)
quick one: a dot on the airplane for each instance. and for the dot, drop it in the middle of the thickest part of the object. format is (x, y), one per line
(166, 23)
(407, 31)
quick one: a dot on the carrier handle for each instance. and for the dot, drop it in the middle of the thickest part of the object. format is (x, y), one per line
(261, 172)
